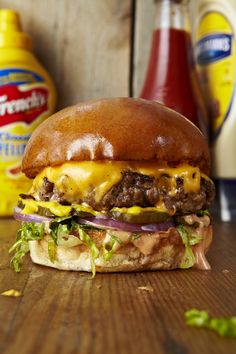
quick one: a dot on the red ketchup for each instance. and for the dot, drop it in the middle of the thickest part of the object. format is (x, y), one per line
(171, 77)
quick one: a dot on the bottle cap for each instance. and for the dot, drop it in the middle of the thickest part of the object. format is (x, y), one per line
(11, 35)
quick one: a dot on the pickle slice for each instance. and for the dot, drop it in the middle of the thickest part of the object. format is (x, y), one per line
(44, 212)
(147, 217)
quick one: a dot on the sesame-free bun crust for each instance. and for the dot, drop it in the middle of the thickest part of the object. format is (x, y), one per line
(167, 253)
(120, 129)
(168, 257)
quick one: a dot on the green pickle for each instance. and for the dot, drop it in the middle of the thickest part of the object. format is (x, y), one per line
(140, 218)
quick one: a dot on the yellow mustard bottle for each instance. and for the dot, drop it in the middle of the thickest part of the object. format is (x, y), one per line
(27, 97)
(216, 58)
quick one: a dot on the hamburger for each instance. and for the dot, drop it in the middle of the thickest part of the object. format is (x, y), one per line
(118, 185)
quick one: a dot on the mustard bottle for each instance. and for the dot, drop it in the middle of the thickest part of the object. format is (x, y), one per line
(27, 97)
(216, 58)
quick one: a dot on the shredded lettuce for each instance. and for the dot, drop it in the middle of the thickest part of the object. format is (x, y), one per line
(29, 231)
(94, 252)
(134, 236)
(62, 227)
(203, 212)
(193, 238)
(189, 239)
(110, 247)
(224, 326)
(52, 249)
(59, 228)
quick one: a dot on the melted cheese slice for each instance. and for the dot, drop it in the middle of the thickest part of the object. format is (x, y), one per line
(32, 206)
(77, 180)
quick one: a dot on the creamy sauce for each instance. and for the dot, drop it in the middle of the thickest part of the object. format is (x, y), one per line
(123, 237)
(203, 221)
(147, 243)
(201, 248)
(204, 230)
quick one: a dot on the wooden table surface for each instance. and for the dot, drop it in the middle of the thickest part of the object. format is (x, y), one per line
(66, 312)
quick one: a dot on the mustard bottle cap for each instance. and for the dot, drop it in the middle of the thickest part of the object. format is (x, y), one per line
(11, 35)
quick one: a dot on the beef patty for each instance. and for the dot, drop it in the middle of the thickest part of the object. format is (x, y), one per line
(143, 191)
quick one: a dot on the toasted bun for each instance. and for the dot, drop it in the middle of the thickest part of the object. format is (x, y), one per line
(167, 255)
(120, 129)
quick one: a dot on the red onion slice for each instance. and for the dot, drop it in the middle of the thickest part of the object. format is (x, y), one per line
(119, 225)
(29, 217)
(102, 223)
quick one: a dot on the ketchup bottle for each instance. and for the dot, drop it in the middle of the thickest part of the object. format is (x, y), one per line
(171, 77)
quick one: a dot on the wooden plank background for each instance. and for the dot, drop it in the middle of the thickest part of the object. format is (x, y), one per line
(84, 44)
(92, 48)
(144, 23)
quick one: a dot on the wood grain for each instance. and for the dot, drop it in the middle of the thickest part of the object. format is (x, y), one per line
(145, 12)
(85, 45)
(66, 312)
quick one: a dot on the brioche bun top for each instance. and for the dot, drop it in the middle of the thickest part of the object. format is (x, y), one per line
(119, 129)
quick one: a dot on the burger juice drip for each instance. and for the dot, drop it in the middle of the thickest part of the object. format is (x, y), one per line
(171, 76)
(27, 97)
(216, 59)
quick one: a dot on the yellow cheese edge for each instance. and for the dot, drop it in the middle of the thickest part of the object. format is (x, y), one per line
(31, 207)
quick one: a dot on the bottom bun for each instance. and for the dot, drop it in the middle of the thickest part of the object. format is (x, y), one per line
(163, 250)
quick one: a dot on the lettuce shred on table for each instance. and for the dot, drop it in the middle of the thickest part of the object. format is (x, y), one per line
(224, 326)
